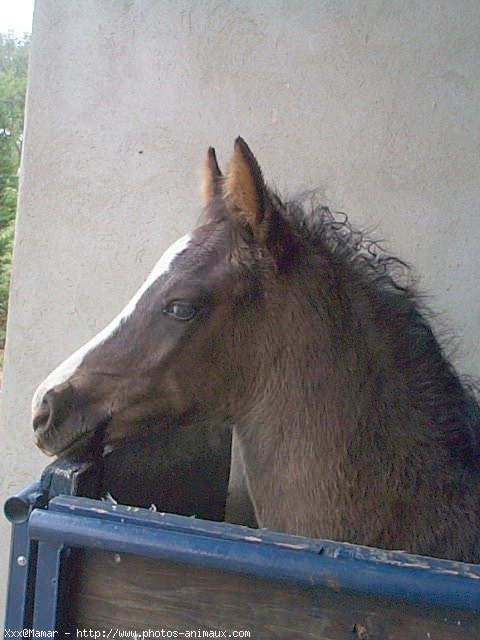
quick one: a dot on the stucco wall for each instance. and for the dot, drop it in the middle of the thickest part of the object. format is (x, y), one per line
(375, 103)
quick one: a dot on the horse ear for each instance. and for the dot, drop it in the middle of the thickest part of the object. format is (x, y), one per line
(251, 203)
(244, 189)
(210, 185)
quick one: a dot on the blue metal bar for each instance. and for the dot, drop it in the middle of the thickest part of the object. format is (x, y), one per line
(47, 585)
(67, 477)
(171, 522)
(21, 579)
(17, 508)
(285, 562)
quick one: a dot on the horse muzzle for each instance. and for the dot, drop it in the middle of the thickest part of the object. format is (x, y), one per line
(64, 423)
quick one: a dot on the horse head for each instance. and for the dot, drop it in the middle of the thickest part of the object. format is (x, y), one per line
(186, 347)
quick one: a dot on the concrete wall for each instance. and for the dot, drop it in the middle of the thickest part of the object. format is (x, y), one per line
(376, 103)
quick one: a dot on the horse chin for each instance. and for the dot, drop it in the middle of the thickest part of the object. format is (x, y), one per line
(80, 448)
(111, 444)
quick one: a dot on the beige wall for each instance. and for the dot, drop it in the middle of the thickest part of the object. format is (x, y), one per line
(376, 103)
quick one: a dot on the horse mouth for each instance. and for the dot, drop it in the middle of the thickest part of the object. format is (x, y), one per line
(85, 445)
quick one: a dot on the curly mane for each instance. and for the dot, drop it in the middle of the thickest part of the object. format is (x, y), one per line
(450, 399)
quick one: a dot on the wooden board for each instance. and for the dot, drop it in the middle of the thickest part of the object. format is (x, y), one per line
(109, 591)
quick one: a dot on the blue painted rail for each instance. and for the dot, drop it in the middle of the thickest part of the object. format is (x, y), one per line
(44, 532)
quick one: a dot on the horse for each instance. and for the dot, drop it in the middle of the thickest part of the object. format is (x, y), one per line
(278, 320)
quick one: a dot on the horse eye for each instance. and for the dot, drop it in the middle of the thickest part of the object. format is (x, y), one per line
(181, 310)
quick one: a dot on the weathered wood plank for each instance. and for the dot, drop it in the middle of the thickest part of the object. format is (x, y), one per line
(109, 591)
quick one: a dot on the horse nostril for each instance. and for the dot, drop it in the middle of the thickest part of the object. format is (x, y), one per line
(41, 419)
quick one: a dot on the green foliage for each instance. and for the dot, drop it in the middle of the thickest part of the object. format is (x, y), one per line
(13, 83)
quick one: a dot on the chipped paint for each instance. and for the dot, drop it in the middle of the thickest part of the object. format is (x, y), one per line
(291, 546)
(332, 584)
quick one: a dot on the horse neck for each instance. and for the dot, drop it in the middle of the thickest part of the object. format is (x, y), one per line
(332, 407)
(323, 366)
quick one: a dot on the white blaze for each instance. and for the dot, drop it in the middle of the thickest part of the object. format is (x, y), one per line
(68, 367)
